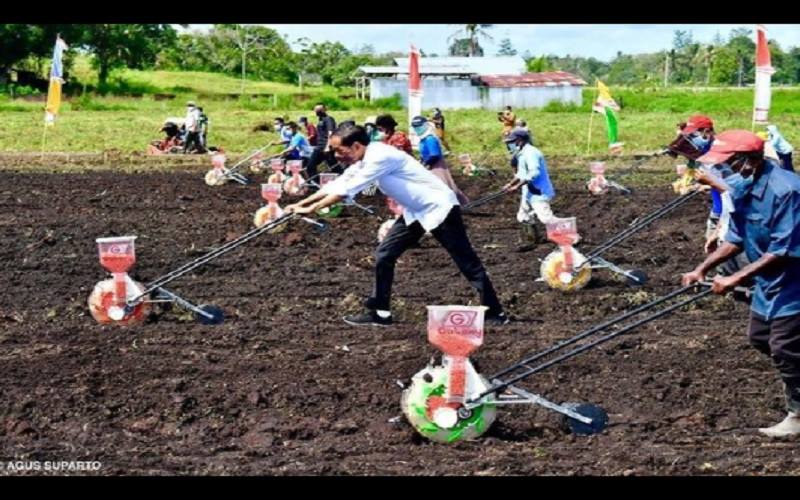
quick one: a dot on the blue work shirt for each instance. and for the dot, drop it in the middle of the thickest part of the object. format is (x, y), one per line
(716, 202)
(716, 197)
(286, 134)
(532, 169)
(300, 147)
(429, 147)
(767, 220)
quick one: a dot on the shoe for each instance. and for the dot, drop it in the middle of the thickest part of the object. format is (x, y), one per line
(789, 426)
(367, 318)
(497, 320)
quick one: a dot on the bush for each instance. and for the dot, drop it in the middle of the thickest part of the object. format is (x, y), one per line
(86, 103)
(25, 90)
(561, 107)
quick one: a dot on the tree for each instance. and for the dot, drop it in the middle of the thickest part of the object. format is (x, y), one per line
(462, 48)
(471, 32)
(539, 64)
(506, 49)
(724, 66)
(131, 45)
(248, 40)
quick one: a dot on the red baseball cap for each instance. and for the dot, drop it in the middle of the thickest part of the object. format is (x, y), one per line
(696, 122)
(729, 143)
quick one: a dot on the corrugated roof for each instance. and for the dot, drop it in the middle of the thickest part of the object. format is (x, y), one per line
(545, 79)
(429, 70)
(505, 65)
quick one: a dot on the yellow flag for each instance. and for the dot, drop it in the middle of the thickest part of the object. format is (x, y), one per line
(53, 101)
(604, 99)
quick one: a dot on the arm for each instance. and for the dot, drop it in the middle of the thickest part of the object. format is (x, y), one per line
(721, 254)
(316, 201)
(340, 189)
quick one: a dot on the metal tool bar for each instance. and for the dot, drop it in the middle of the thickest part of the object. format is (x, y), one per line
(574, 352)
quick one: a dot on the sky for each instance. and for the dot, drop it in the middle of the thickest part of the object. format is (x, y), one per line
(601, 41)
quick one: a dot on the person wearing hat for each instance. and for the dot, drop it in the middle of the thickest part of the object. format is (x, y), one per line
(438, 123)
(507, 118)
(781, 146)
(698, 131)
(765, 225)
(283, 131)
(309, 129)
(192, 125)
(428, 205)
(387, 125)
(432, 156)
(532, 176)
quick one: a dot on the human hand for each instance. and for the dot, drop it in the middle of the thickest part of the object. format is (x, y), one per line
(692, 277)
(724, 284)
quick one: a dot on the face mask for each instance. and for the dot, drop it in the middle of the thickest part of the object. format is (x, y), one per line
(378, 136)
(700, 142)
(739, 186)
(513, 148)
(421, 130)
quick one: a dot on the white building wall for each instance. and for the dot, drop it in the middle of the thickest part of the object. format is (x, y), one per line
(461, 94)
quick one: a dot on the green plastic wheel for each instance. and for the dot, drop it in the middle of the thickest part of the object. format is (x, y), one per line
(428, 388)
(331, 211)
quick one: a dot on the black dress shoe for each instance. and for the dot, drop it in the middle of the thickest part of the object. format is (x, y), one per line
(369, 317)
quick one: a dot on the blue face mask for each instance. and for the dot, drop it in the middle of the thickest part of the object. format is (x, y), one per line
(421, 130)
(739, 186)
(700, 142)
(513, 147)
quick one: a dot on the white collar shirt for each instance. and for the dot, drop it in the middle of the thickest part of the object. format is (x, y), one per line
(424, 197)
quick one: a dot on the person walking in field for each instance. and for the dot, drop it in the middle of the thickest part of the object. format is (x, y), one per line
(765, 225)
(438, 123)
(321, 153)
(192, 123)
(428, 205)
(298, 147)
(532, 176)
(782, 147)
(507, 118)
(387, 125)
(309, 130)
(432, 156)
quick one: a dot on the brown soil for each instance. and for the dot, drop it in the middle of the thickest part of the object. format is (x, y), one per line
(274, 390)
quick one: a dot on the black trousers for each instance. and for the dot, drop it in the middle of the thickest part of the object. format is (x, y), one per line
(452, 235)
(192, 139)
(317, 157)
(780, 340)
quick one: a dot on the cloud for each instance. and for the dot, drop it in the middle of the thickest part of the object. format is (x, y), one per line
(601, 41)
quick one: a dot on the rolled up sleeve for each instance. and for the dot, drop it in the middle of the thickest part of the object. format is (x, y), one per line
(784, 230)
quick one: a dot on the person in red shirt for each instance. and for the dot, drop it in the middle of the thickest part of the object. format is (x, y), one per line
(386, 125)
(310, 130)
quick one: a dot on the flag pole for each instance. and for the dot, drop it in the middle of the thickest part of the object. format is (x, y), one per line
(591, 117)
(44, 137)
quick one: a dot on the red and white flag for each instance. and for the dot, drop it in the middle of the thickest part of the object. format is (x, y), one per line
(764, 72)
(414, 92)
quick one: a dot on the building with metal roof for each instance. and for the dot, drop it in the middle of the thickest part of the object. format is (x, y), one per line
(473, 82)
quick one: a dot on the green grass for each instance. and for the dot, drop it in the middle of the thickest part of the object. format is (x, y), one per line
(127, 124)
(183, 82)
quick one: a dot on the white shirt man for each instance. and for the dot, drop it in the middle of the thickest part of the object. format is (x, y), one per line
(192, 118)
(424, 197)
(428, 205)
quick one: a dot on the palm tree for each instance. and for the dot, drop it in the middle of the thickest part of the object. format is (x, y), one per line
(472, 32)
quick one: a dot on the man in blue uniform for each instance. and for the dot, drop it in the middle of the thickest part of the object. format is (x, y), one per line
(765, 224)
